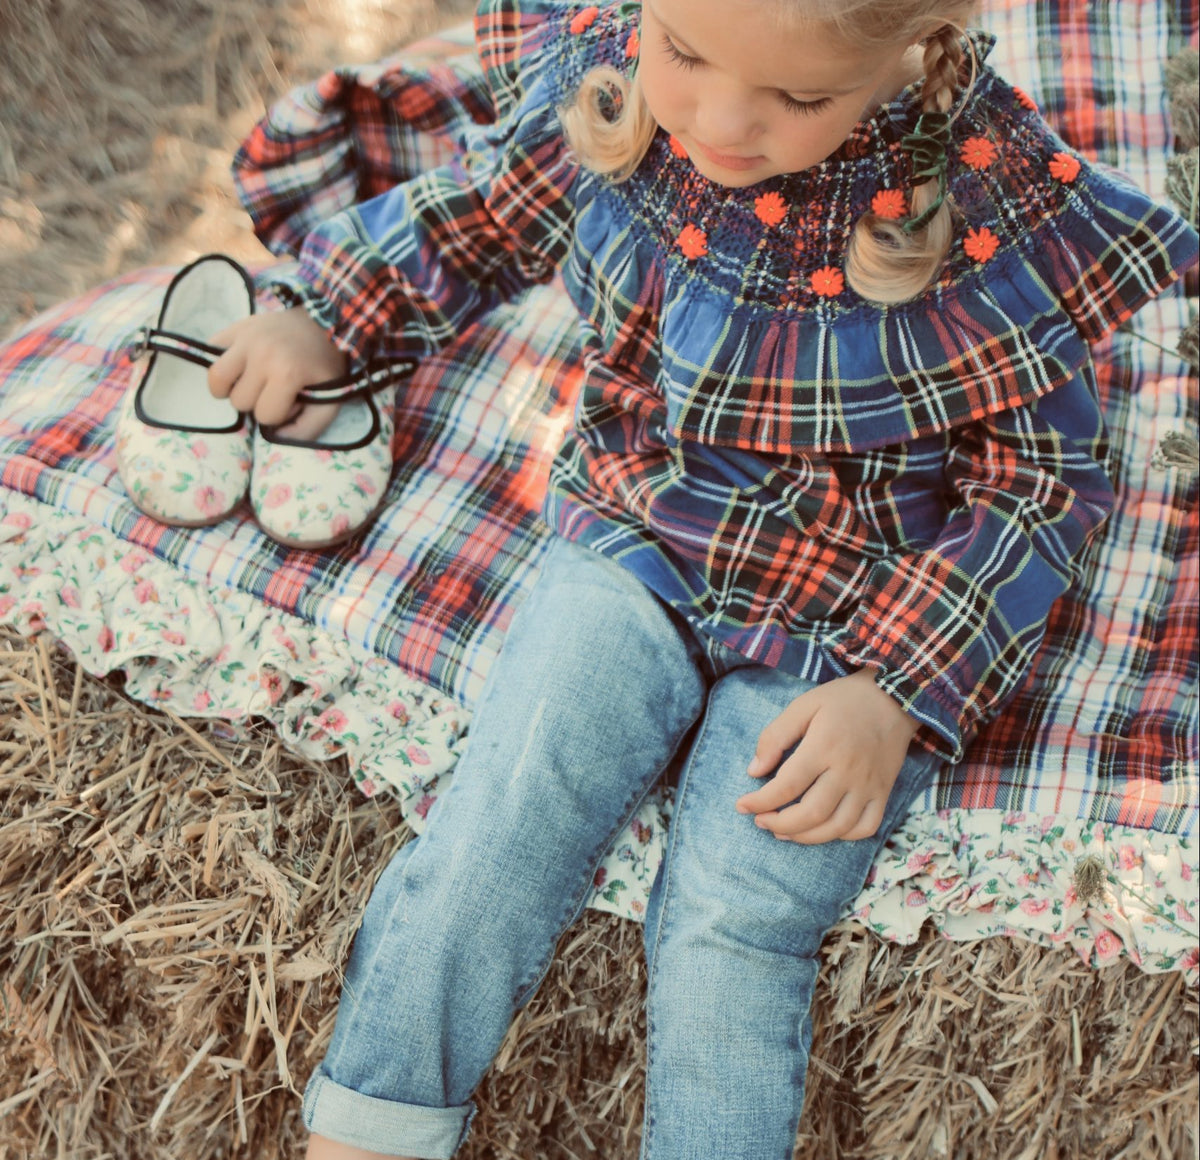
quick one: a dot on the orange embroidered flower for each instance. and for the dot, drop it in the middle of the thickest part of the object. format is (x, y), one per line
(981, 244)
(693, 242)
(889, 203)
(1024, 99)
(676, 146)
(828, 282)
(770, 208)
(584, 19)
(1064, 167)
(978, 152)
(633, 45)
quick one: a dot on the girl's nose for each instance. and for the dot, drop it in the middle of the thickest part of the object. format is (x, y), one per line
(726, 122)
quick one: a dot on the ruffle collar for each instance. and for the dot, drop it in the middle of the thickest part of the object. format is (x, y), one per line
(735, 302)
(742, 293)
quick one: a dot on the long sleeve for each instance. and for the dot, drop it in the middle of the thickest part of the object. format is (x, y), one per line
(403, 273)
(952, 629)
(407, 271)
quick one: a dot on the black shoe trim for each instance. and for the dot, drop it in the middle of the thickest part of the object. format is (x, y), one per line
(180, 345)
(373, 377)
(147, 336)
(271, 436)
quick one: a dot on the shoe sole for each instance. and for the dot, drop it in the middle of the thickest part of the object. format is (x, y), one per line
(174, 523)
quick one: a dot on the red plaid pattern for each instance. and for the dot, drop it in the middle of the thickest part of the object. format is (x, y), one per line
(715, 435)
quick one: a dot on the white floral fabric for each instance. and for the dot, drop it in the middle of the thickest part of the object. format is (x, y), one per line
(1105, 890)
(312, 496)
(181, 477)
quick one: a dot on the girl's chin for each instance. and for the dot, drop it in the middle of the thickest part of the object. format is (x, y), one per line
(731, 179)
(735, 177)
(737, 174)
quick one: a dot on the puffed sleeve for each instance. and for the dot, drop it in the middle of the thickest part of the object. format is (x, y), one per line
(403, 273)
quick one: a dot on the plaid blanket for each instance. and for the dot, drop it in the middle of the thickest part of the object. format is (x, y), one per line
(1097, 754)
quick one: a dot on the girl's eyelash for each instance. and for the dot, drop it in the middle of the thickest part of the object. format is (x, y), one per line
(801, 108)
(804, 108)
(680, 58)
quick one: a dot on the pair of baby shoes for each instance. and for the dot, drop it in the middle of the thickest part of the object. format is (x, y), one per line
(188, 458)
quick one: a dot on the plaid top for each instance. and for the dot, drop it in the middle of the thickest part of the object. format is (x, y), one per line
(819, 482)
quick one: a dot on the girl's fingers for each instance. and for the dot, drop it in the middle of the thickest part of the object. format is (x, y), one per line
(838, 828)
(868, 822)
(841, 824)
(781, 734)
(246, 391)
(817, 805)
(225, 372)
(794, 777)
(308, 421)
(276, 404)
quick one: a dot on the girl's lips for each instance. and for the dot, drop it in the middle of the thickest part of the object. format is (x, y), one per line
(729, 160)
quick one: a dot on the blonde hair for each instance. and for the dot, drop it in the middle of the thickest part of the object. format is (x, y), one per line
(609, 128)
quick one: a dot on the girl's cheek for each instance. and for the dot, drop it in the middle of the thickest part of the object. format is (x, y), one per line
(814, 145)
(656, 102)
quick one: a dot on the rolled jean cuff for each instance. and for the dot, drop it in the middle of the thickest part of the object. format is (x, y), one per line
(387, 1126)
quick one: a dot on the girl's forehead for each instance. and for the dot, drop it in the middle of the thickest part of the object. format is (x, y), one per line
(751, 37)
(790, 19)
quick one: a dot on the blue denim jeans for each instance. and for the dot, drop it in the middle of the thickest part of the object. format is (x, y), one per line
(598, 690)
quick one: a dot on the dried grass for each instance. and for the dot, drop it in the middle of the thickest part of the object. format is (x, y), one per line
(118, 119)
(175, 903)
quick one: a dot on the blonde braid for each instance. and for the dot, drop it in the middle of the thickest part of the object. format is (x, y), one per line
(943, 58)
(883, 262)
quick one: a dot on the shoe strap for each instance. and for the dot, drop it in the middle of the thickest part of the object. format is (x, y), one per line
(149, 338)
(373, 377)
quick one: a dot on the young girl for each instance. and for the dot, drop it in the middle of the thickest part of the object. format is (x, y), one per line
(835, 455)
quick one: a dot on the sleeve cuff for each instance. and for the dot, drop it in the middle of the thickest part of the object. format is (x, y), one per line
(937, 705)
(295, 290)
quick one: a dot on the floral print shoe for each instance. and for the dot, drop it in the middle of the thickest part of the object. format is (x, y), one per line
(183, 454)
(320, 493)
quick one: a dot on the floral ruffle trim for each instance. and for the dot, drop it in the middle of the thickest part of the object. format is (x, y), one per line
(222, 655)
(1106, 891)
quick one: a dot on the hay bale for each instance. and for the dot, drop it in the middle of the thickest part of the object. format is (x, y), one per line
(177, 899)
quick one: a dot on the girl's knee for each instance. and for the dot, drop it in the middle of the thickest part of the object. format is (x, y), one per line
(746, 888)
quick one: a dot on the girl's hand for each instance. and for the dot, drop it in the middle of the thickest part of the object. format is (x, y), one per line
(853, 740)
(269, 359)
